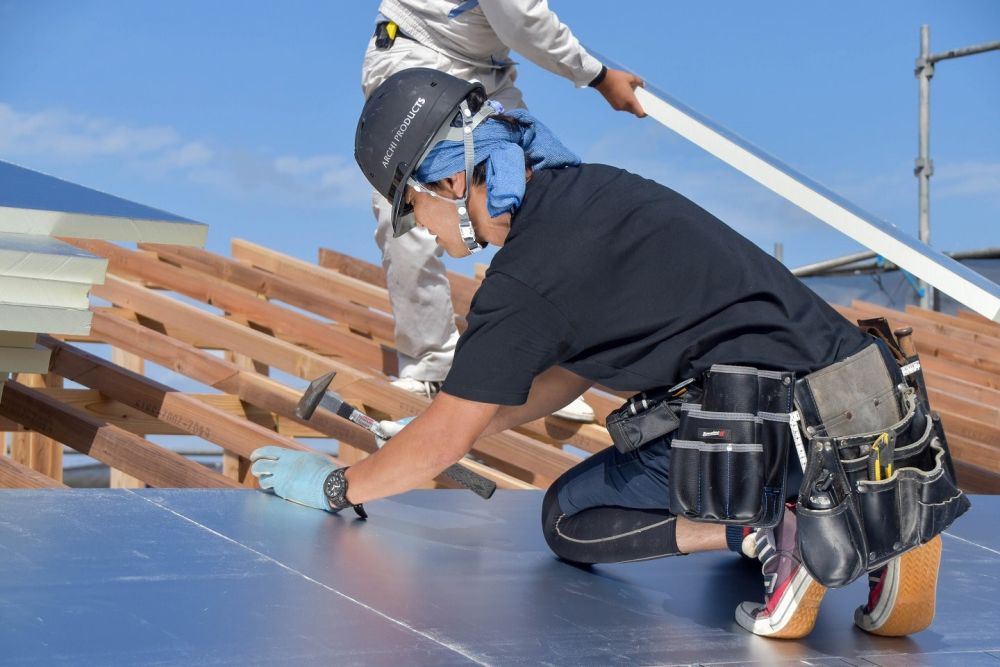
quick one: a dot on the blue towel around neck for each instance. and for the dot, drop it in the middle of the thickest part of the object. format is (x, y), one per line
(504, 148)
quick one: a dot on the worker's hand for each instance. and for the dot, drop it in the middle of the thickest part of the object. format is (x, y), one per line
(392, 429)
(292, 475)
(618, 88)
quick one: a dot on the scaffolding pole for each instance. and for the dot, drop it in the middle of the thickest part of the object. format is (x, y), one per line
(924, 167)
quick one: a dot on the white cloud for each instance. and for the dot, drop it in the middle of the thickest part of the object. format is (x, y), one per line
(190, 154)
(65, 135)
(60, 135)
(967, 179)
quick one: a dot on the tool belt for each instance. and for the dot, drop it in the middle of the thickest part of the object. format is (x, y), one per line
(729, 454)
(879, 479)
(730, 445)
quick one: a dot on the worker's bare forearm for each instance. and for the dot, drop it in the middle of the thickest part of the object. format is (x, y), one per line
(429, 444)
(550, 391)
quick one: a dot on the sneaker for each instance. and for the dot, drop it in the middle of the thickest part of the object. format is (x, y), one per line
(792, 597)
(425, 388)
(577, 411)
(902, 595)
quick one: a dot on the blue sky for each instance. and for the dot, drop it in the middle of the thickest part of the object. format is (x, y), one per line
(242, 114)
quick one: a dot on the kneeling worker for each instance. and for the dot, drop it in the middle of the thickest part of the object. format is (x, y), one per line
(605, 277)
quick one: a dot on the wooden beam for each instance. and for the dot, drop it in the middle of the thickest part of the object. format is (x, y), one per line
(353, 289)
(306, 296)
(506, 451)
(288, 324)
(117, 448)
(32, 449)
(197, 338)
(181, 318)
(463, 288)
(938, 324)
(136, 364)
(13, 475)
(966, 320)
(973, 479)
(141, 423)
(551, 430)
(180, 410)
(295, 361)
(250, 387)
(973, 355)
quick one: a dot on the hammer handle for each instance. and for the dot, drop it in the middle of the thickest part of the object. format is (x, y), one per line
(471, 480)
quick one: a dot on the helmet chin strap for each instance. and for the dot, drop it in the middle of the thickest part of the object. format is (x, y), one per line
(470, 122)
(461, 205)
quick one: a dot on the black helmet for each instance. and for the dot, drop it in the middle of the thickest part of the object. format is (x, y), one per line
(397, 124)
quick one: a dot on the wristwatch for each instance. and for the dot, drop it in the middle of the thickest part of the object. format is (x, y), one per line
(335, 490)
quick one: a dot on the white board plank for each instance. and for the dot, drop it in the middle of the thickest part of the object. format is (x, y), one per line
(40, 319)
(24, 360)
(35, 203)
(37, 292)
(17, 339)
(951, 277)
(39, 256)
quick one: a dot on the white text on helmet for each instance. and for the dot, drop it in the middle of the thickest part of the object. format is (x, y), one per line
(403, 127)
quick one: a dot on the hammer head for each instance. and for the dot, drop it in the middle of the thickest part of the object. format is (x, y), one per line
(313, 396)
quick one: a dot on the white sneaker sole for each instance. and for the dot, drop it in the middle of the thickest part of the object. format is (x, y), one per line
(795, 614)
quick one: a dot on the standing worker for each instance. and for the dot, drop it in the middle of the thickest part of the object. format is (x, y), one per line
(471, 40)
(603, 276)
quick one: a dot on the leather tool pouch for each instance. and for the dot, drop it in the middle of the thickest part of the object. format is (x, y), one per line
(729, 455)
(849, 522)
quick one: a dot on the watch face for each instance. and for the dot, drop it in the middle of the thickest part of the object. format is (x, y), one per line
(335, 489)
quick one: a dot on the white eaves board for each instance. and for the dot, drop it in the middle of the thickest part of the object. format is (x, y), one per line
(24, 360)
(44, 319)
(17, 338)
(946, 274)
(39, 292)
(39, 256)
(35, 203)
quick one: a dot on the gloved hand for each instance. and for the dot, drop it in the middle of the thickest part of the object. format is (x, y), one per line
(392, 429)
(292, 475)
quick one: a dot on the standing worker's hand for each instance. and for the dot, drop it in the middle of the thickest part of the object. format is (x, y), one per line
(618, 88)
(292, 475)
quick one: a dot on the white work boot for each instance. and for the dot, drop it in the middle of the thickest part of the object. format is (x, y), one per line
(577, 411)
(425, 388)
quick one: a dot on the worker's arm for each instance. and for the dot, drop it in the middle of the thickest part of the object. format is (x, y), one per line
(533, 30)
(550, 391)
(439, 437)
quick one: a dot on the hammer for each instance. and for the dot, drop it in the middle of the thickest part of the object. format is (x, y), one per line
(316, 395)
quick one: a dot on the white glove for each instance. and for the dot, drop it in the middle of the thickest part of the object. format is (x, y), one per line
(392, 429)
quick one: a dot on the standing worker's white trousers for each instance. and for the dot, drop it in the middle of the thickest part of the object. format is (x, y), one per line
(418, 287)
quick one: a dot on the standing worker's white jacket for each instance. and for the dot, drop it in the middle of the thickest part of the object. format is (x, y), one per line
(470, 40)
(483, 32)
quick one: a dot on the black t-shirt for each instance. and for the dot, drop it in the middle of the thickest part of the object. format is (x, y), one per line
(627, 283)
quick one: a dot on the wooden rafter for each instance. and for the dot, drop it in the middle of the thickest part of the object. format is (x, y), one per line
(13, 475)
(109, 444)
(251, 387)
